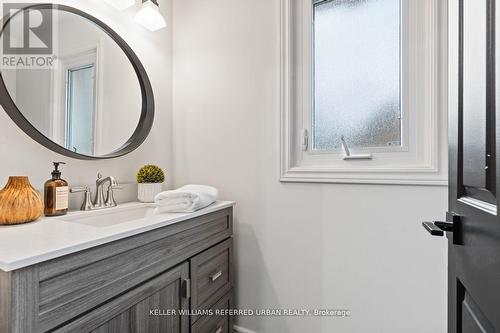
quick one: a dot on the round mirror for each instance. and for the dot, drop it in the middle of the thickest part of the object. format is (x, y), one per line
(72, 84)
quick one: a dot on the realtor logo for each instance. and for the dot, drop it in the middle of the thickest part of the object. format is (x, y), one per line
(29, 31)
(27, 37)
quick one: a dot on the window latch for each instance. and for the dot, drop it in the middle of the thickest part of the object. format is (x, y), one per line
(305, 140)
(349, 156)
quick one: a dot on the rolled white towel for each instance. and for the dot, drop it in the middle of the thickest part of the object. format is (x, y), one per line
(186, 199)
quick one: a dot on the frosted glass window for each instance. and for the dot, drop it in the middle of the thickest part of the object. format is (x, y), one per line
(356, 74)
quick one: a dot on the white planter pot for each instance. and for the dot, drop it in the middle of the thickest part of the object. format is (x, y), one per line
(148, 192)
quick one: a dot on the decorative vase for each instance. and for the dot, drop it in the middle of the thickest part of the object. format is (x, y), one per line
(19, 202)
(146, 192)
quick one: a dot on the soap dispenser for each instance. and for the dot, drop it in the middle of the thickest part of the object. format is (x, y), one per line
(56, 194)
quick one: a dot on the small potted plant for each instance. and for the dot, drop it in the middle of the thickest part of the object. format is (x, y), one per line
(150, 179)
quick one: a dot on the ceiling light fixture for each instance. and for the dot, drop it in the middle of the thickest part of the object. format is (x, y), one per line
(120, 4)
(149, 16)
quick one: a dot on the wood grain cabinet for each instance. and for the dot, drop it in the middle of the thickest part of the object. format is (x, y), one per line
(147, 283)
(216, 323)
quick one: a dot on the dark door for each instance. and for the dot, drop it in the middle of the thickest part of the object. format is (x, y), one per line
(473, 226)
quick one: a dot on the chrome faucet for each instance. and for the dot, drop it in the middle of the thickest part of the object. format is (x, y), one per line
(100, 201)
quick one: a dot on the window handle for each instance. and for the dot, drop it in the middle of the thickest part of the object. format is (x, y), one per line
(305, 140)
(349, 156)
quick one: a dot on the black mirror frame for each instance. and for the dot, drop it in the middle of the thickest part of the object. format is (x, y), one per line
(148, 105)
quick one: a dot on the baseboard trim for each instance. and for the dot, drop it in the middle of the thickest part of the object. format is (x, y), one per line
(240, 329)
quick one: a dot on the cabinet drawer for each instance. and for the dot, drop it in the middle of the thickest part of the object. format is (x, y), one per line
(212, 275)
(67, 290)
(216, 323)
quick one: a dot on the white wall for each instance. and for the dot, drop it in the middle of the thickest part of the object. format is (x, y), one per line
(23, 156)
(35, 99)
(359, 247)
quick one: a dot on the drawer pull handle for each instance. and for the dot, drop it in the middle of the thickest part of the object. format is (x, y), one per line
(215, 277)
(219, 330)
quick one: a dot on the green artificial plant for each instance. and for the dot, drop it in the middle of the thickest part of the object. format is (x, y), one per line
(150, 174)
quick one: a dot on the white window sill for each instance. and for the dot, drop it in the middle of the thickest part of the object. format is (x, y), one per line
(297, 175)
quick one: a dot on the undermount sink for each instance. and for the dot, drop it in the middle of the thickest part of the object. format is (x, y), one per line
(112, 216)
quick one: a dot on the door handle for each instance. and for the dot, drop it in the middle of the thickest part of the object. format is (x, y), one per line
(187, 288)
(438, 228)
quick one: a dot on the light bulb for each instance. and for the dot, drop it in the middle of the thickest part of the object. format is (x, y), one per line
(149, 16)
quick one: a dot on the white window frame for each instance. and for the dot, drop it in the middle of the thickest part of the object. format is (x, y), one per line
(422, 158)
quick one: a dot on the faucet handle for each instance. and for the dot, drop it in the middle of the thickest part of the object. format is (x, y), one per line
(87, 202)
(110, 200)
(79, 189)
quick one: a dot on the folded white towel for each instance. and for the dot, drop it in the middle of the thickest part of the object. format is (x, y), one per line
(186, 199)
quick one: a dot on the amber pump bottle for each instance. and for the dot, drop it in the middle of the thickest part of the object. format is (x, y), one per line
(56, 194)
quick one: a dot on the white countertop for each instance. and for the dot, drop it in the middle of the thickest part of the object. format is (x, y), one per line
(48, 238)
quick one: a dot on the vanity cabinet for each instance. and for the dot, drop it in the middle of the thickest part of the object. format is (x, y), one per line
(141, 284)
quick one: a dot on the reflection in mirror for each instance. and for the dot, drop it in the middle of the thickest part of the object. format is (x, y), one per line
(90, 100)
(80, 111)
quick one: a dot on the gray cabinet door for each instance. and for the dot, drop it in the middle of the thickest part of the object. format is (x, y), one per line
(137, 319)
(153, 307)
